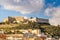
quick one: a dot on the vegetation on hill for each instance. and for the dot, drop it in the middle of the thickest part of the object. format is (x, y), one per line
(53, 31)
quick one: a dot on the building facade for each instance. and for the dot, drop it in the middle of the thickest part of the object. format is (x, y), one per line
(39, 20)
(21, 19)
(14, 19)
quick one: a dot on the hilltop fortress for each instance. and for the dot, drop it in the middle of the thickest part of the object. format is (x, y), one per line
(18, 19)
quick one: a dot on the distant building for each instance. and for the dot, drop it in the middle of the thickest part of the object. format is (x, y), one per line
(39, 20)
(14, 19)
(14, 37)
(32, 19)
(21, 19)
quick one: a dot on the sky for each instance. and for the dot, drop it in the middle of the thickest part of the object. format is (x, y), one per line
(48, 9)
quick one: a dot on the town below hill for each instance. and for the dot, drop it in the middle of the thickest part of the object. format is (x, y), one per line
(19, 25)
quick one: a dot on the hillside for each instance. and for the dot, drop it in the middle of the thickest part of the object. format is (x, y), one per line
(49, 30)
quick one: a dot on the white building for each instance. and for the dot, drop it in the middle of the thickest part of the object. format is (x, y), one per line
(14, 37)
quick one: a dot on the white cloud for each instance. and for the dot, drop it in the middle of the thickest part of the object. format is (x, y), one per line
(54, 13)
(23, 6)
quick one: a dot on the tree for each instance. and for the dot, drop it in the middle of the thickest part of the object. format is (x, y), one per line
(53, 31)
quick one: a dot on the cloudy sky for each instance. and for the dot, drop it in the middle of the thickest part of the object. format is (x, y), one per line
(49, 9)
